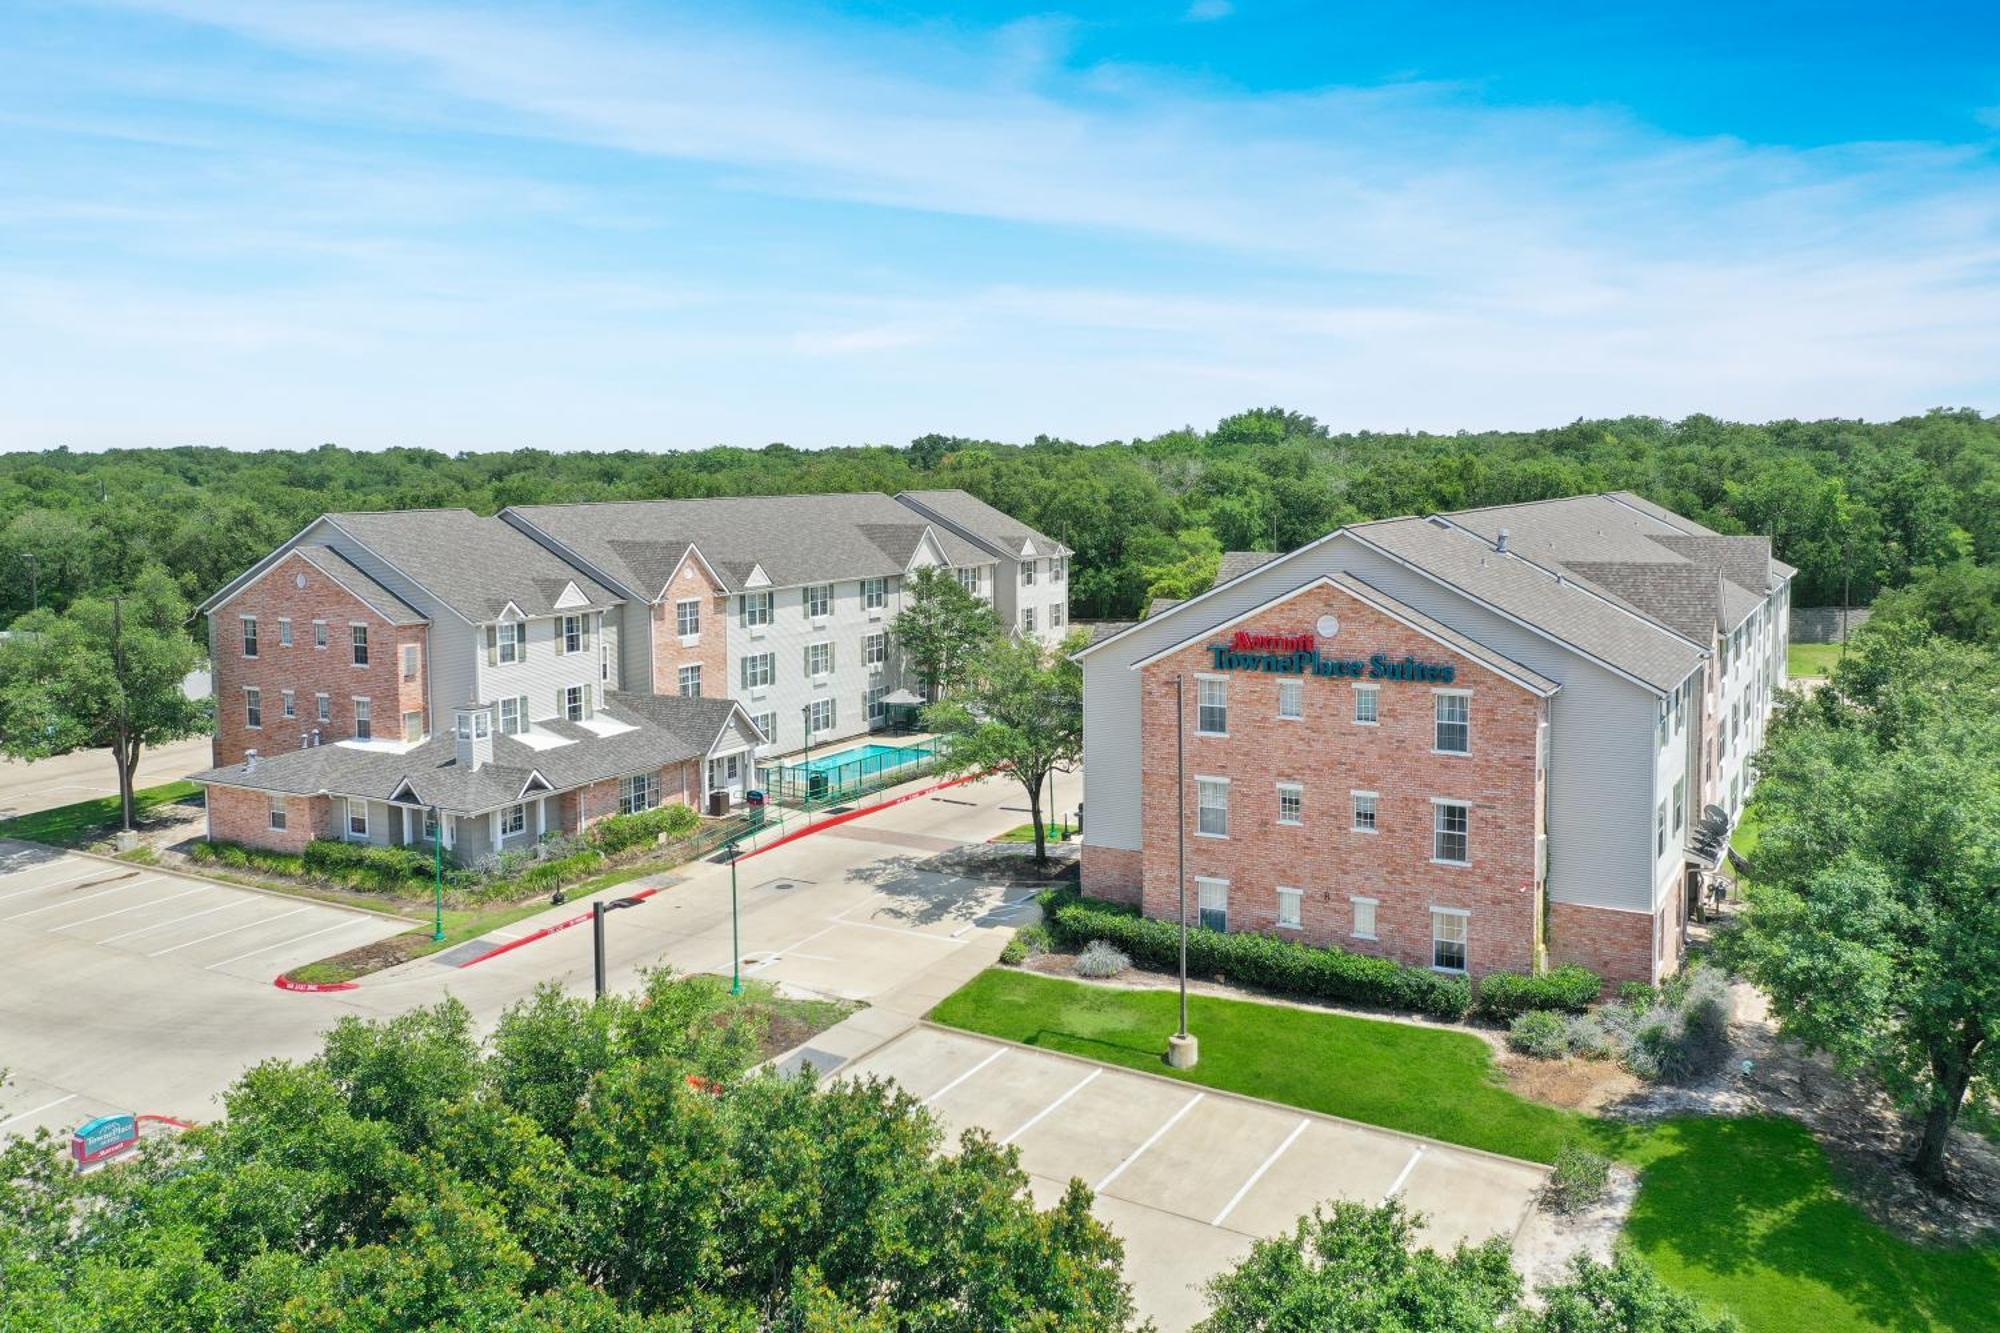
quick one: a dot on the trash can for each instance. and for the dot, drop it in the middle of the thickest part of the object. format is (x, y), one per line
(815, 786)
(753, 802)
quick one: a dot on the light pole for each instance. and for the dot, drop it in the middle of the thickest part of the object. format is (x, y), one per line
(1182, 1048)
(735, 936)
(437, 848)
(597, 911)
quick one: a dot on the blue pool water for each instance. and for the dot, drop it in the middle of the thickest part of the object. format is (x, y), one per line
(883, 755)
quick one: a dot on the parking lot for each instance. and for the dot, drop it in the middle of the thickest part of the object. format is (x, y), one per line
(91, 945)
(1190, 1176)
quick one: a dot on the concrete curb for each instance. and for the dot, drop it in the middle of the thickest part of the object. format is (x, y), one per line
(141, 867)
(1244, 1098)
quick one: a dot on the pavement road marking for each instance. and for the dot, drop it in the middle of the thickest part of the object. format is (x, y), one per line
(273, 948)
(1158, 1134)
(50, 907)
(46, 1106)
(158, 902)
(894, 930)
(178, 920)
(1258, 1174)
(52, 884)
(1404, 1177)
(1036, 1118)
(263, 921)
(966, 1075)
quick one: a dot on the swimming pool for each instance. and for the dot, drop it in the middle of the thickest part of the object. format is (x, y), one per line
(873, 757)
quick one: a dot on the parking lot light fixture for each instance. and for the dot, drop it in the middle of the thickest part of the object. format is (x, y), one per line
(437, 848)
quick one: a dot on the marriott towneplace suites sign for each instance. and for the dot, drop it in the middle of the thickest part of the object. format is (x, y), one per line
(1301, 655)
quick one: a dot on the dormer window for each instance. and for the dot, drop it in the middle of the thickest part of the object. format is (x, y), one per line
(509, 642)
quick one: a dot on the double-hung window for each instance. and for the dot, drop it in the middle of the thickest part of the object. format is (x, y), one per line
(687, 618)
(413, 726)
(357, 820)
(249, 636)
(1367, 705)
(513, 820)
(1291, 904)
(510, 641)
(1027, 573)
(753, 609)
(1660, 830)
(1364, 811)
(758, 670)
(1058, 569)
(1211, 807)
(253, 706)
(571, 632)
(364, 719)
(575, 702)
(1451, 832)
(641, 792)
(412, 661)
(767, 726)
(1364, 918)
(819, 658)
(1291, 803)
(877, 710)
(1453, 711)
(1680, 802)
(325, 707)
(689, 680)
(319, 634)
(288, 703)
(359, 635)
(819, 716)
(969, 580)
(513, 715)
(277, 815)
(875, 649)
(1448, 939)
(1212, 903)
(1027, 620)
(819, 601)
(1291, 698)
(1057, 613)
(284, 631)
(1211, 717)
(874, 594)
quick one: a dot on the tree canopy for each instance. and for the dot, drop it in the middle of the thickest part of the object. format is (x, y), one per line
(605, 1166)
(942, 628)
(1874, 914)
(1857, 506)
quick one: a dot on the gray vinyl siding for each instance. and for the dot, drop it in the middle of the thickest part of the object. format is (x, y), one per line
(786, 637)
(635, 644)
(1601, 736)
(543, 675)
(381, 817)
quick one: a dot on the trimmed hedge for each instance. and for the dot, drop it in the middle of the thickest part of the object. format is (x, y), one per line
(1570, 990)
(392, 865)
(615, 833)
(1257, 960)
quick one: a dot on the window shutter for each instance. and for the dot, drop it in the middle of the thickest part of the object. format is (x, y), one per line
(831, 649)
(806, 660)
(492, 645)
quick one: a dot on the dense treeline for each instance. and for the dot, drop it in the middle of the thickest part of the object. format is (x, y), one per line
(1857, 506)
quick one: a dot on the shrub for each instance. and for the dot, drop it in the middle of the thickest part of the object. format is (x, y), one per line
(1014, 952)
(1577, 1179)
(1637, 995)
(1541, 1033)
(1682, 1032)
(616, 833)
(362, 865)
(1284, 966)
(1100, 960)
(1028, 942)
(1586, 1037)
(1570, 989)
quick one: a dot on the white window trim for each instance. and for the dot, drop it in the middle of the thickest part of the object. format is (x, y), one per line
(1466, 753)
(1218, 882)
(1199, 677)
(1353, 930)
(1437, 860)
(1464, 915)
(277, 814)
(1374, 828)
(1299, 894)
(1376, 691)
(1224, 782)
(1299, 716)
(257, 690)
(347, 822)
(1300, 788)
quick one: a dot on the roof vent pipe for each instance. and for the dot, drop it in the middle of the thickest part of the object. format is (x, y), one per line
(1502, 546)
(249, 761)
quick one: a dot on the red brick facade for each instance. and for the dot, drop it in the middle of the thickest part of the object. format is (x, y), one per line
(710, 651)
(238, 815)
(1113, 873)
(1616, 945)
(306, 670)
(586, 805)
(1329, 756)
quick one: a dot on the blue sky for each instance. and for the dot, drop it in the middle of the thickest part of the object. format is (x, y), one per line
(647, 225)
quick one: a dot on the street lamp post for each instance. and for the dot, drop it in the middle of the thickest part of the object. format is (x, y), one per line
(735, 935)
(1182, 1048)
(437, 849)
(597, 911)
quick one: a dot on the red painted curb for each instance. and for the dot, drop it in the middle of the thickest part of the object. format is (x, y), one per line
(312, 987)
(547, 931)
(843, 818)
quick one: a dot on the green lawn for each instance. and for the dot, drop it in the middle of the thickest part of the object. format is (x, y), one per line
(1026, 833)
(1742, 1212)
(83, 823)
(1811, 659)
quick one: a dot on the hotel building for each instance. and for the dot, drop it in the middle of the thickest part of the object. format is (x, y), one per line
(531, 672)
(1474, 742)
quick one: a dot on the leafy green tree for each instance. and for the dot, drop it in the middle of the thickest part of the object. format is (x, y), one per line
(1021, 709)
(942, 628)
(104, 673)
(1178, 566)
(1873, 920)
(1960, 601)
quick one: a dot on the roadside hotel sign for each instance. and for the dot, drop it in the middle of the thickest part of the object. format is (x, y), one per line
(1300, 654)
(106, 1136)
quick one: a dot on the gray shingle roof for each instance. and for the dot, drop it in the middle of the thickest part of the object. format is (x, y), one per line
(474, 565)
(1235, 564)
(666, 729)
(1563, 607)
(358, 581)
(794, 539)
(1471, 647)
(972, 515)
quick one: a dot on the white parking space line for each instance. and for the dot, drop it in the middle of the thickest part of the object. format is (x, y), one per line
(45, 1106)
(121, 911)
(907, 931)
(1258, 1174)
(52, 884)
(1157, 1135)
(966, 1075)
(177, 920)
(1037, 1117)
(1404, 1178)
(248, 925)
(273, 948)
(88, 897)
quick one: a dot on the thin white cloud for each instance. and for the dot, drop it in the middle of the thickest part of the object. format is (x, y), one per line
(1208, 11)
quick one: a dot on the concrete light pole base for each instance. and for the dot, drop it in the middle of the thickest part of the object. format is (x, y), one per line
(1183, 1051)
(127, 840)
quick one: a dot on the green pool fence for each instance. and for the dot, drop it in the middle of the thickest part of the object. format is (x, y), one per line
(814, 783)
